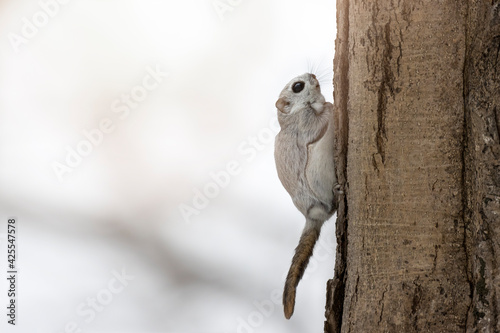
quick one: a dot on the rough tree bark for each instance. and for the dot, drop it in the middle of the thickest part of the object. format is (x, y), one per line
(482, 163)
(417, 96)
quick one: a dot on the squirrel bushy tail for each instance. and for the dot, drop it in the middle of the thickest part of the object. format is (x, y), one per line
(300, 260)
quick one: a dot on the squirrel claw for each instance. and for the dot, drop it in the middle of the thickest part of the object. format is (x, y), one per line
(337, 189)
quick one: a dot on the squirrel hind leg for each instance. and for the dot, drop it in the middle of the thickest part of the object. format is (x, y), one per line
(303, 253)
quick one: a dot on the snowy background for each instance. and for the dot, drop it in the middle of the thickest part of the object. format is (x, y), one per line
(173, 220)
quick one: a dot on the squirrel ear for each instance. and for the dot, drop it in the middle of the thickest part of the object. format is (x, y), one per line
(282, 103)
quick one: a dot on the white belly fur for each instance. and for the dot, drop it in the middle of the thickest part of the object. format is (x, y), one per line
(320, 171)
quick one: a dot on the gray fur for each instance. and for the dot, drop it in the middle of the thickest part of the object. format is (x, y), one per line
(304, 151)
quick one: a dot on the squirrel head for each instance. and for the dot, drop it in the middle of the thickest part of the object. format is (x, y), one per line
(303, 93)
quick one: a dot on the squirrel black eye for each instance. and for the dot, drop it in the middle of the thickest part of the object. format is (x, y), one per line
(298, 86)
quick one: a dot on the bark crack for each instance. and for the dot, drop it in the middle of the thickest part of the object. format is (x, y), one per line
(385, 89)
(417, 297)
(381, 304)
(434, 263)
(465, 143)
(355, 294)
(497, 38)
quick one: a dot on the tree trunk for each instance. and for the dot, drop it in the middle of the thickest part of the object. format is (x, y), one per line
(417, 89)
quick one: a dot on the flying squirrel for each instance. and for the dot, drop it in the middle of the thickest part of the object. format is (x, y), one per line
(304, 156)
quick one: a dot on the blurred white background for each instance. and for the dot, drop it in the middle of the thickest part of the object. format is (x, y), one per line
(67, 66)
